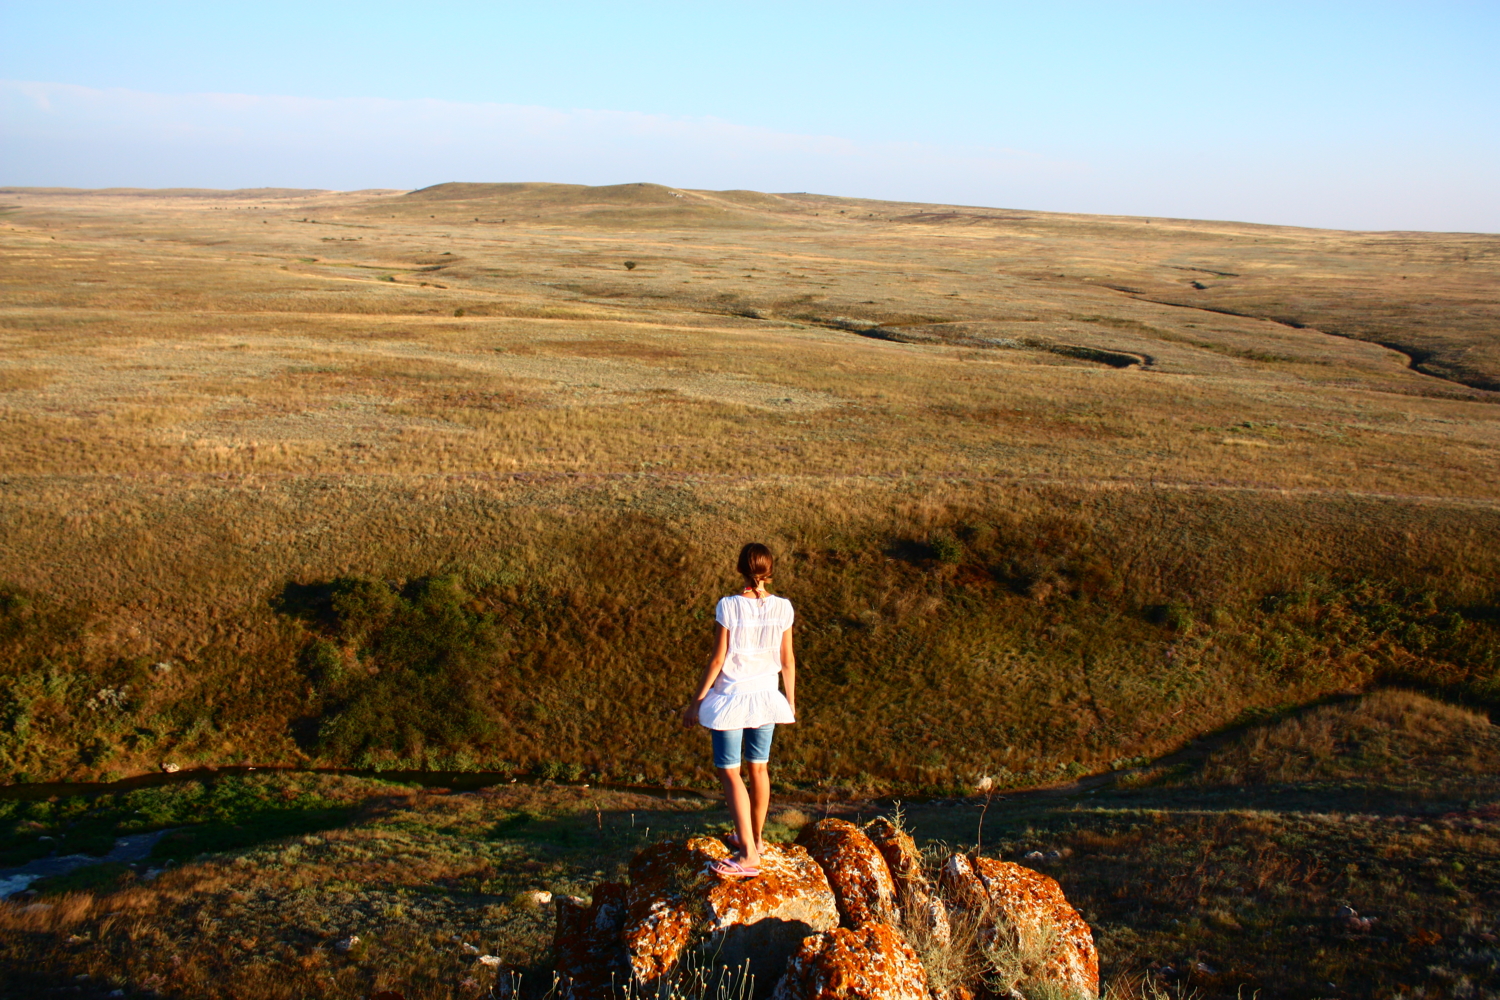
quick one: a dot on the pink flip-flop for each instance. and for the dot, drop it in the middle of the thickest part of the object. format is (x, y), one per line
(730, 868)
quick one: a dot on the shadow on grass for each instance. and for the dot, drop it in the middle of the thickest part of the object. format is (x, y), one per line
(248, 830)
(226, 813)
(211, 837)
(608, 835)
(101, 878)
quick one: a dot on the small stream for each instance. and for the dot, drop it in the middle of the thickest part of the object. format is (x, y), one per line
(127, 850)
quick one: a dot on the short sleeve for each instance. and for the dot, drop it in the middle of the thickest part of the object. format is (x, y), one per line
(787, 614)
(724, 612)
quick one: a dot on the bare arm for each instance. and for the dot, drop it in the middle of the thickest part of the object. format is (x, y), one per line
(789, 670)
(710, 674)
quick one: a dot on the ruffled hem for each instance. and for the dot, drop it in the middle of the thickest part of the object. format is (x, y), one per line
(745, 711)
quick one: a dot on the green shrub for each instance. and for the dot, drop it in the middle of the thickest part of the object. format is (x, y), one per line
(360, 607)
(323, 663)
(946, 548)
(427, 651)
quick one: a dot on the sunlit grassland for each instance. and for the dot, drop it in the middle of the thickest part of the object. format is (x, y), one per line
(1010, 557)
(945, 635)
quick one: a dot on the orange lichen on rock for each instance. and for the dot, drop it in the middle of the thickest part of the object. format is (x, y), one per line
(900, 853)
(591, 960)
(675, 902)
(952, 993)
(860, 877)
(919, 903)
(871, 963)
(1013, 901)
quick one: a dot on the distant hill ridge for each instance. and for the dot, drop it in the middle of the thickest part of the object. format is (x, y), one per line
(641, 204)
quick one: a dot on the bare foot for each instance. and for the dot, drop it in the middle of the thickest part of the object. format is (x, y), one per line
(734, 841)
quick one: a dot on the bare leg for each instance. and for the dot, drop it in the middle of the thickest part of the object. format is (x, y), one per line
(760, 802)
(739, 811)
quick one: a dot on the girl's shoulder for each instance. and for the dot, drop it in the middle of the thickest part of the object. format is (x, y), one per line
(733, 602)
(727, 611)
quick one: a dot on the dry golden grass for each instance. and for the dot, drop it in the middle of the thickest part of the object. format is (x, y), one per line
(1389, 737)
(1193, 888)
(1011, 557)
(1355, 844)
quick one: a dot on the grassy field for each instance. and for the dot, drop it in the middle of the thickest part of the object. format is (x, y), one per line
(1218, 875)
(449, 480)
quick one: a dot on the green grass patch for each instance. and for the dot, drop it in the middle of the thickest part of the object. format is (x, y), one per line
(227, 813)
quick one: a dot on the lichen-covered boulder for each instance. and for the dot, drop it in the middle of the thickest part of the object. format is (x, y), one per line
(856, 869)
(1027, 911)
(901, 856)
(675, 903)
(591, 959)
(922, 910)
(871, 963)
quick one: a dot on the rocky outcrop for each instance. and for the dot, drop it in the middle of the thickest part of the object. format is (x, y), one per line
(591, 960)
(871, 963)
(1026, 912)
(821, 922)
(858, 872)
(675, 905)
(922, 909)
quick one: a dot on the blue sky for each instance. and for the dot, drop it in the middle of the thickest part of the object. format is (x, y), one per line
(1363, 115)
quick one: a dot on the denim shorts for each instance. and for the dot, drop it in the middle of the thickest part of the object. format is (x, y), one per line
(757, 744)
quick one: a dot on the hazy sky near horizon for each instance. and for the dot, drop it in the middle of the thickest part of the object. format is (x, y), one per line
(1350, 115)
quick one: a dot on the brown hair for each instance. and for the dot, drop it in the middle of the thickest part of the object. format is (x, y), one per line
(755, 564)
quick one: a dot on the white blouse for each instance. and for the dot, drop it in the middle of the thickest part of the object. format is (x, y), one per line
(746, 693)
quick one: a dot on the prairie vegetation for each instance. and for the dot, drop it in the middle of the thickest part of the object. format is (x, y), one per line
(435, 481)
(1197, 881)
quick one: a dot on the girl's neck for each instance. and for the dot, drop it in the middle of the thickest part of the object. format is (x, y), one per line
(758, 592)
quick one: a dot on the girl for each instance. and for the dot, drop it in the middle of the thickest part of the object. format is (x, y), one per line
(738, 700)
